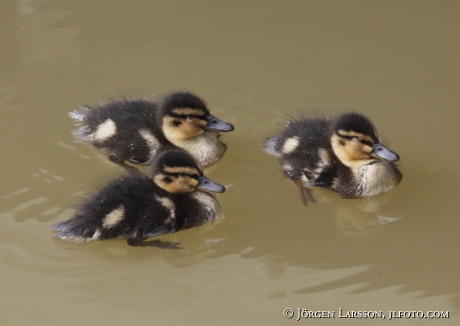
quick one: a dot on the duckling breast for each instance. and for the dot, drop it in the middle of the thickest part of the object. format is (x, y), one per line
(377, 178)
(206, 148)
(206, 209)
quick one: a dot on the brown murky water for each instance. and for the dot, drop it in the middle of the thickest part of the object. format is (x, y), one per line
(253, 62)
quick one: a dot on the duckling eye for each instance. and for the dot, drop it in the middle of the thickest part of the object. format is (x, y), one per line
(189, 117)
(355, 139)
(182, 174)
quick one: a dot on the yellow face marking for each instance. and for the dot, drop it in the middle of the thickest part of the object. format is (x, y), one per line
(367, 149)
(352, 154)
(178, 169)
(188, 128)
(114, 217)
(175, 185)
(105, 130)
(193, 182)
(188, 111)
(290, 145)
(355, 134)
(201, 123)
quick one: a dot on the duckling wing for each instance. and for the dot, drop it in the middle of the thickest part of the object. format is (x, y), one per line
(311, 179)
(322, 179)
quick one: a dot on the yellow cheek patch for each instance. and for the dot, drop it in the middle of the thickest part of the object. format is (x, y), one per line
(355, 134)
(367, 149)
(171, 187)
(188, 129)
(188, 111)
(159, 179)
(179, 169)
(176, 185)
(201, 123)
(350, 153)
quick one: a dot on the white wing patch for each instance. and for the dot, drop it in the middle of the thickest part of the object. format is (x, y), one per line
(290, 145)
(151, 140)
(105, 130)
(324, 160)
(113, 218)
(168, 204)
(96, 235)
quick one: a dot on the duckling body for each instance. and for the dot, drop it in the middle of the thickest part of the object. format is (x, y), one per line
(342, 153)
(137, 129)
(136, 207)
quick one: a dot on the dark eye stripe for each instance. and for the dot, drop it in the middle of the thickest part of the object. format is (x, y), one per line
(365, 142)
(185, 116)
(368, 143)
(177, 174)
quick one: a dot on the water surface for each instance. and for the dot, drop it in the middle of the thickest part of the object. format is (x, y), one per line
(254, 62)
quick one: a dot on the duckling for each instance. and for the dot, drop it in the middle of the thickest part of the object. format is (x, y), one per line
(136, 207)
(136, 130)
(342, 153)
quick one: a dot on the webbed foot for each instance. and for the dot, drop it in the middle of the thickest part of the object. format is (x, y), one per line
(305, 194)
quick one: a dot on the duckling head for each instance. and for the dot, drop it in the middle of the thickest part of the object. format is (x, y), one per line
(185, 115)
(176, 172)
(355, 142)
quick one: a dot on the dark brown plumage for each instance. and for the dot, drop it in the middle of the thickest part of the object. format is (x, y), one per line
(137, 129)
(136, 207)
(342, 153)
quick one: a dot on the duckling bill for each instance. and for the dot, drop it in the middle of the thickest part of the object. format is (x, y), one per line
(136, 130)
(135, 207)
(342, 153)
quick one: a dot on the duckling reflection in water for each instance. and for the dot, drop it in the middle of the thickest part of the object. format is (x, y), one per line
(365, 217)
(342, 153)
(136, 130)
(137, 207)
